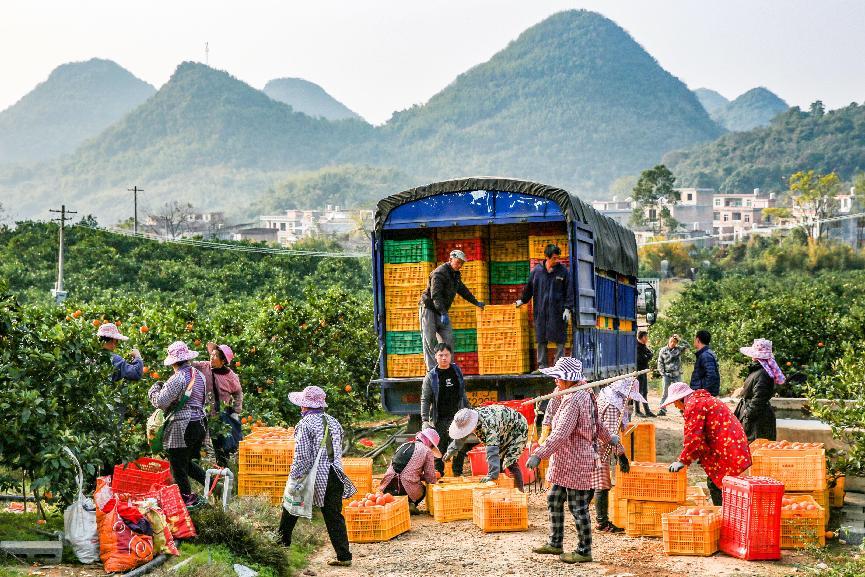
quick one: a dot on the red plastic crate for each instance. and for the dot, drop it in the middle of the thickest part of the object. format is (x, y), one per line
(536, 261)
(751, 518)
(141, 476)
(478, 459)
(527, 411)
(475, 248)
(468, 362)
(505, 294)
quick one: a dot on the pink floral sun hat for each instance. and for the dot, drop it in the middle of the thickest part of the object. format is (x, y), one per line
(178, 352)
(677, 392)
(431, 439)
(311, 397)
(226, 352)
(759, 349)
(111, 331)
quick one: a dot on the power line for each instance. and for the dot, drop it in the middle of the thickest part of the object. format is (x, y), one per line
(230, 247)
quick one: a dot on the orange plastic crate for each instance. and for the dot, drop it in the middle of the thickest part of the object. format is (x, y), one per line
(509, 250)
(503, 362)
(359, 470)
(653, 482)
(691, 534)
(477, 398)
(265, 457)
(617, 509)
(406, 366)
(644, 517)
(822, 498)
(271, 433)
(452, 501)
(835, 484)
(462, 314)
(802, 528)
(639, 442)
(459, 232)
(537, 245)
(497, 317)
(798, 470)
(269, 486)
(499, 510)
(373, 524)
(697, 497)
(409, 274)
(503, 482)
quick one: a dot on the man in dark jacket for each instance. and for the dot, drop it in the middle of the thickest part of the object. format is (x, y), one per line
(705, 375)
(644, 356)
(443, 394)
(444, 285)
(548, 285)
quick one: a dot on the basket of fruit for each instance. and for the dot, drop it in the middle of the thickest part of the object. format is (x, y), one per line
(376, 517)
(692, 531)
(801, 522)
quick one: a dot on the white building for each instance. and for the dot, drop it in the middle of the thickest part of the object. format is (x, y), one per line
(735, 215)
(295, 224)
(618, 210)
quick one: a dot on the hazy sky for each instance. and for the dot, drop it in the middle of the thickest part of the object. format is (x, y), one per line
(377, 56)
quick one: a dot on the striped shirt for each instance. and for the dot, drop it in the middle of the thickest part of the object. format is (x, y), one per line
(163, 396)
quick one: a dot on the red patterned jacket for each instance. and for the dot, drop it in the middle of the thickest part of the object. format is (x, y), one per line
(714, 437)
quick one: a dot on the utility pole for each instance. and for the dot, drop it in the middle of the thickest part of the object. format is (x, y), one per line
(58, 293)
(207, 53)
(135, 190)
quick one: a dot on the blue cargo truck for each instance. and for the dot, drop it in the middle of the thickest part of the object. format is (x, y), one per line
(602, 259)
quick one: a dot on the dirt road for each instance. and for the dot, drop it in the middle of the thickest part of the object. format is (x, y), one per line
(460, 548)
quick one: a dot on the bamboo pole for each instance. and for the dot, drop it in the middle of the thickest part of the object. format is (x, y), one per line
(591, 385)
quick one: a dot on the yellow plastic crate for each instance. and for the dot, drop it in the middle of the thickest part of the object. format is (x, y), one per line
(500, 510)
(410, 274)
(617, 509)
(406, 366)
(822, 498)
(802, 528)
(509, 250)
(503, 362)
(639, 442)
(462, 315)
(374, 524)
(403, 297)
(644, 517)
(359, 470)
(626, 326)
(452, 501)
(798, 469)
(265, 457)
(402, 318)
(537, 245)
(495, 318)
(691, 534)
(270, 486)
(653, 482)
(509, 232)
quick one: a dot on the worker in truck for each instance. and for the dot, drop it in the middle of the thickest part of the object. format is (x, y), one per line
(548, 285)
(444, 285)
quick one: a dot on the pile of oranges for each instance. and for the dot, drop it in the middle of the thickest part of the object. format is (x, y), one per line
(697, 511)
(788, 504)
(793, 446)
(373, 500)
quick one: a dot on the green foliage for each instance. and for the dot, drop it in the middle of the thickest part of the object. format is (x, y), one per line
(76, 102)
(675, 253)
(809, 318)
(788, 254)
(765, 157)
(815, 194)
(754, 108)
(655, 192)
(26, 527)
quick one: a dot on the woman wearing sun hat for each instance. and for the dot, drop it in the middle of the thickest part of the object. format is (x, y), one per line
(412, 463)
(186, 426)
(223, 390)
(332, 485)
(572, 447)
(614, 410)
(133, 369)
(501, 429)
(713, 436)
(755, 409)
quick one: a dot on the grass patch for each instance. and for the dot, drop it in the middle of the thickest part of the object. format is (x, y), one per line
(248, 531)
(841, 561)
(24, 526)
(209, 560)
(13, 571)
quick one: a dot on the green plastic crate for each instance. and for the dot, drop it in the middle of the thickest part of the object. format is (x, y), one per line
(404, 342)
(465, 340)
(413, 250)
(508, 272)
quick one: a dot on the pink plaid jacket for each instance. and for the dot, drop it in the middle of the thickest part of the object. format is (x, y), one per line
(421, 467)
(571, 445)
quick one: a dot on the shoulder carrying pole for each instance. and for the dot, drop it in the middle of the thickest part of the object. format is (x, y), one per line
(591, 385)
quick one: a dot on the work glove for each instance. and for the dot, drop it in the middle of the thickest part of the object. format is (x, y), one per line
(482, 304)
(615, 441)
(676, 467)
(533, 462)
(487, 478)
(449, 454)
(518, 304)
(545, 432)
(566, 316)
(136, 354)
(445, 319)
(624, 465)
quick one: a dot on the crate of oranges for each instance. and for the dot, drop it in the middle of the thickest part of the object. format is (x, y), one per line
(800, 466)
(801, 522)
(377, 517)
(692, 531)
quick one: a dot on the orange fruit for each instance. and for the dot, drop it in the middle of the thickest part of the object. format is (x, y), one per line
(197, 342)
(40, 522)
(154, 375)
(236, 363)
(76, 314)
(68, 318)
(146, 369)
(348, 388)
(48, 495)
(789, 364)
(144, 329)
(380, 501)
(244, 420)
(820, 344)
(96, 323)
(117, 323)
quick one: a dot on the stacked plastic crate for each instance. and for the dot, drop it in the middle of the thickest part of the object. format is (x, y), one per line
(475, 275)
(503, 340)
(408, 264)
(264, 461)
(650, 490)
